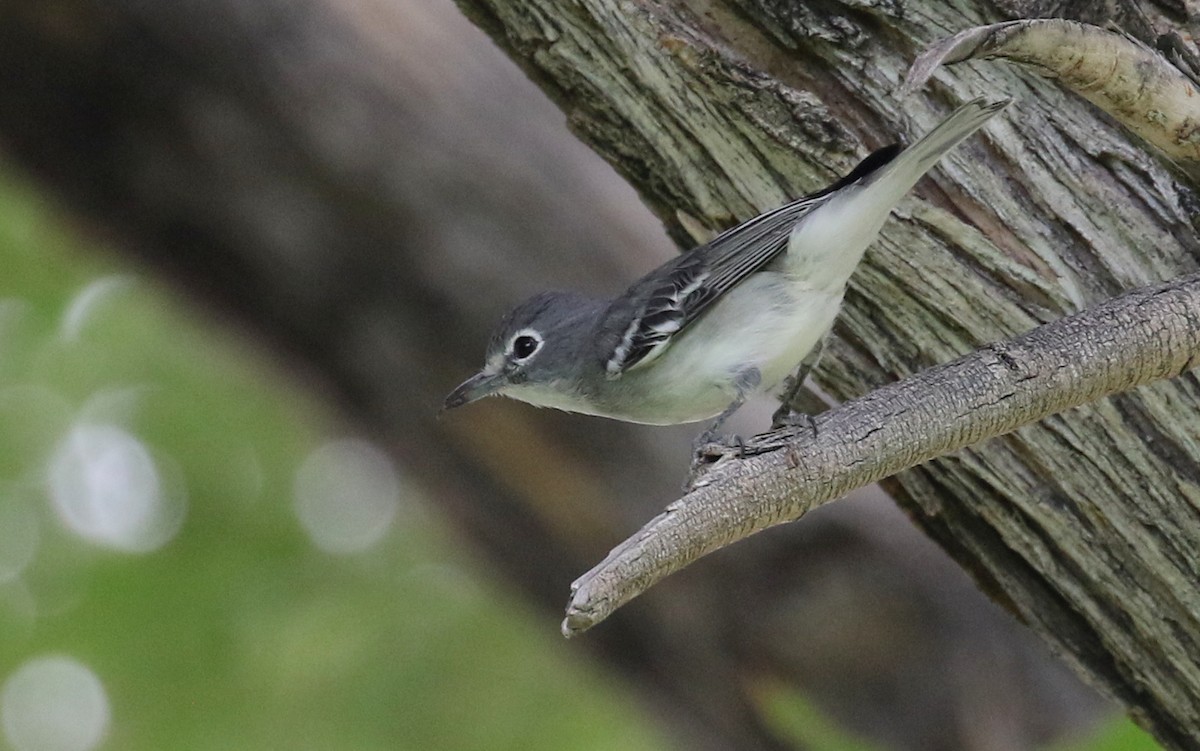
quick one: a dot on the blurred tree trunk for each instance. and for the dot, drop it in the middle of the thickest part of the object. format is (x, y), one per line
(367, 187)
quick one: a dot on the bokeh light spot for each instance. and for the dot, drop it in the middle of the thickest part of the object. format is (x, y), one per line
(54, 703)
(106, 488)
(84, 304)
(347, 493)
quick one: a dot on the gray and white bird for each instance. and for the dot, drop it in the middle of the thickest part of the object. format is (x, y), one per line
(694, 338)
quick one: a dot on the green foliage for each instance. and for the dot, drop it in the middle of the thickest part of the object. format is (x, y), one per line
(239, 632)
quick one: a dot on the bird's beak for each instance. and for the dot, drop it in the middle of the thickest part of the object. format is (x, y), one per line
(473, 389)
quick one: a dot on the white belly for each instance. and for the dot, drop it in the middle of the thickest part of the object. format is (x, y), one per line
(694, 379)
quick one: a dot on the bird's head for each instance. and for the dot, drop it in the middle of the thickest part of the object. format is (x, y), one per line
(535, 352)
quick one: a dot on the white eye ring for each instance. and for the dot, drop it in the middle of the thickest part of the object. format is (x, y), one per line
(524, 344)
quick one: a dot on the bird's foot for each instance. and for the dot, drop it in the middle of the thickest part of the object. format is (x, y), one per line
(785, 417)
(709, 444)
(710, 448)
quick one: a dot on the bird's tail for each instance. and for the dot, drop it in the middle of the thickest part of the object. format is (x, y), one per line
(901, 173)
(831, 240)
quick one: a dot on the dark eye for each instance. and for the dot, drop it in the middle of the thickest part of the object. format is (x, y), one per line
(524, 346)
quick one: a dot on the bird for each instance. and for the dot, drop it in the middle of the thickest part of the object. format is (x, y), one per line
(696, 337)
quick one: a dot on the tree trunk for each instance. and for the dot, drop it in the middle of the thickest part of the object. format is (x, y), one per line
(367, 187)
(1084, 525)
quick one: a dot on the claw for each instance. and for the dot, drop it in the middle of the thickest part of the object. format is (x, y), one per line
(794, 420)
(707, 450)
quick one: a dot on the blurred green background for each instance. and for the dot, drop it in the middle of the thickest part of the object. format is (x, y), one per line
(154, 477)
(195, 554)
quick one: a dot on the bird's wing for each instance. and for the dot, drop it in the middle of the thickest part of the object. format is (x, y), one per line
(639, 325)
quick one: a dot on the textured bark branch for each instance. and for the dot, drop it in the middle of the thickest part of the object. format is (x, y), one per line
(1140, 337)
(1113, 71)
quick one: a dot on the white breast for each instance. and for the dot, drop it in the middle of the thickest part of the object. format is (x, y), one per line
(768, 322)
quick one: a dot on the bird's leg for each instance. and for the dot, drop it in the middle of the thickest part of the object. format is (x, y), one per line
(710, 442)
(787, 414)
(711, 434)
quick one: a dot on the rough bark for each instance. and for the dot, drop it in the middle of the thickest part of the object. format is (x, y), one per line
(1085, 525)
(367, 194)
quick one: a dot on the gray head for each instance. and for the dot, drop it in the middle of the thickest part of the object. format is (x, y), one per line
(536, 352)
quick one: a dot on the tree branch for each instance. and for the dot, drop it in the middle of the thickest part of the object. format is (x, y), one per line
(1142, 336)
(1115, 72)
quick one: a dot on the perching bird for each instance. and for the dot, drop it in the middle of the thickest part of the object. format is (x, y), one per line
(695, 337)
